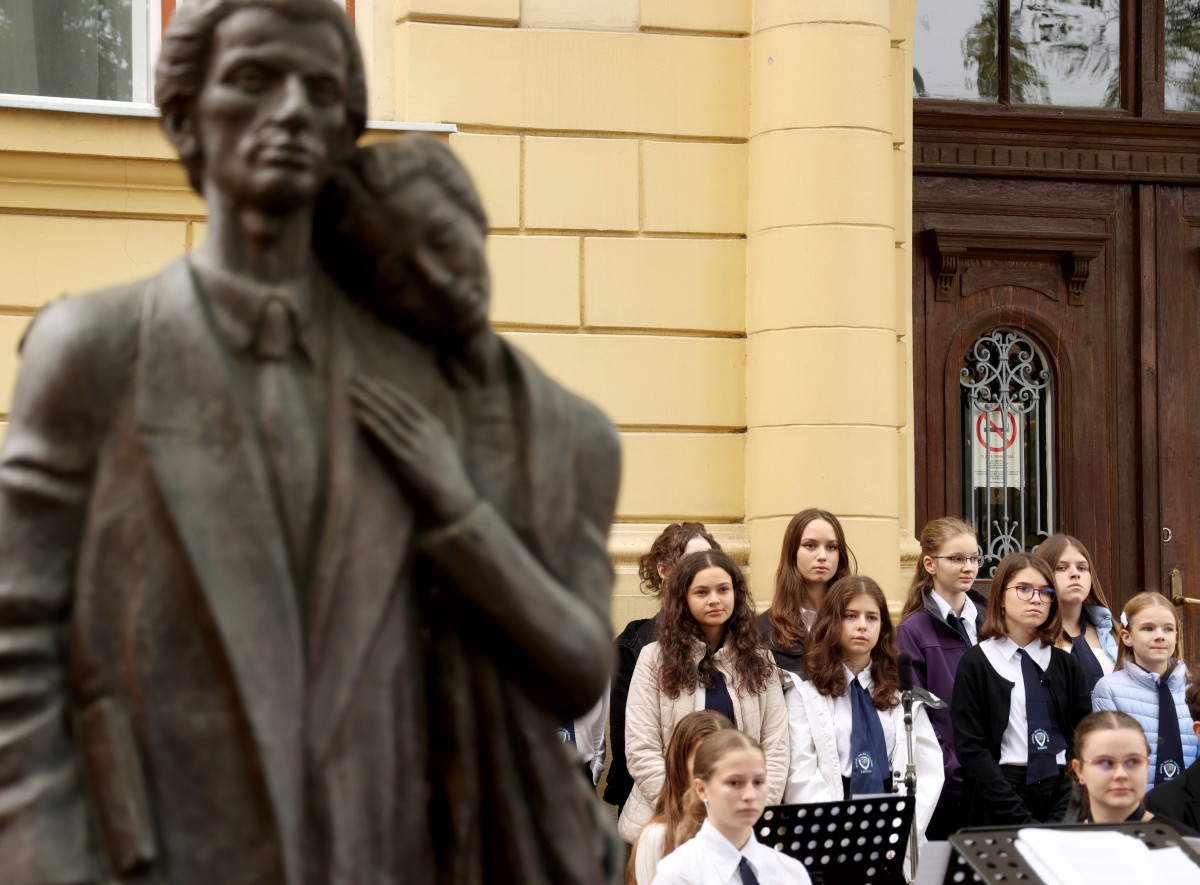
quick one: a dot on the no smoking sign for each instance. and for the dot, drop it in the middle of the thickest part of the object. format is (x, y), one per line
(995, 448)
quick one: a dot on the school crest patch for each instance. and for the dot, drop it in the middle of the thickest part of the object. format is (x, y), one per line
(1040, 739)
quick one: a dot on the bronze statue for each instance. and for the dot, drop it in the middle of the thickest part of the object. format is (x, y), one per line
(260, 620)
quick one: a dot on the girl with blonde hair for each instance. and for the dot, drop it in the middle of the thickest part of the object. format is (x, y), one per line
(1150, 684)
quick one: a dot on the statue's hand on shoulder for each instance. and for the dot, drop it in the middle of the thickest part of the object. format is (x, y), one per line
(423, 451)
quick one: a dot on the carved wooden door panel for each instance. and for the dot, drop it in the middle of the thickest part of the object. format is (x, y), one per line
(1051, 263)
(1174, 379)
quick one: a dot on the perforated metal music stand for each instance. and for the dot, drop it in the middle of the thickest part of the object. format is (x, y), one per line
(989, 854)
(860, 841)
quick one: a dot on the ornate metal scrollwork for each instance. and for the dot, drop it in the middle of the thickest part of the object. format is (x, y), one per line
(1008, 492)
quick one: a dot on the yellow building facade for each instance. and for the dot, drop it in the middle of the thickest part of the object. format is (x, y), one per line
(700, 219)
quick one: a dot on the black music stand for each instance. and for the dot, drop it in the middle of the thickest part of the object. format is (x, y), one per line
(989, 854)
(859, 841)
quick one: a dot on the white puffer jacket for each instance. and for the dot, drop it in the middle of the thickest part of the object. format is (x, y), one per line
(651, 717)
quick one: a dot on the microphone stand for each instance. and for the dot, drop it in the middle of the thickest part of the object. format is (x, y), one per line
(910, 773)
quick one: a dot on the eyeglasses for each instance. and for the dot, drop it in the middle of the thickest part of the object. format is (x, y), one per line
(1132, 764)
(960, 561)
(1025, 593)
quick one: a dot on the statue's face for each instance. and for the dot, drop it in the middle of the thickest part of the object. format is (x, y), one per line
(271, 116)
(445, 252)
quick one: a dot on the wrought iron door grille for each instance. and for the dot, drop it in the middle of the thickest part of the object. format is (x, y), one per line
(1008, 447)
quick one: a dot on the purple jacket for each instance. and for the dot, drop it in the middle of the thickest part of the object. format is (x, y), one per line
(936, 649)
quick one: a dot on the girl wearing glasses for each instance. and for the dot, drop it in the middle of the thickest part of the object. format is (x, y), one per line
(1017, 699)
(1111, 761)
(1087, 622)
(1150, 683)
(939, 622)
(813, 556)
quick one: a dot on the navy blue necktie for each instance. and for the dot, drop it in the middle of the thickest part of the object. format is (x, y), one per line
(566, 733)
(1086, 657)
(868, 750)
(1046, 739)
(747, 874)
(961, 626)
(717, 698)
(1170, 744)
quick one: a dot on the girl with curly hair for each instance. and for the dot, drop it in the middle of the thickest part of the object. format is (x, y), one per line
(814, 555)
(847, 723)
(654, 568)
(708, 657)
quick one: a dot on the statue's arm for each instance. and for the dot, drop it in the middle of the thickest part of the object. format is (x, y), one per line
(45, 474)
(558, 632)
(554, 631)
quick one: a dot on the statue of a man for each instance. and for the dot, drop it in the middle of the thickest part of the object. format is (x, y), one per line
(216, 657)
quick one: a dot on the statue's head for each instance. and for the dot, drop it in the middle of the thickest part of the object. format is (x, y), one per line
(402, 226)
(262, 94)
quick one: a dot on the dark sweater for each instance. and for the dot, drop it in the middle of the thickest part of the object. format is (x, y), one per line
(979, 712)
(791, 659)
(1178, 798)
(629, 644)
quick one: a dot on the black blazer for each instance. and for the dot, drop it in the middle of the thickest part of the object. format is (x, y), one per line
(979, 711)
(1178, 798)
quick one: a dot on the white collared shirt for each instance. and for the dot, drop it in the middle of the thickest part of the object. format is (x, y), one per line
(843, 720)
(709, 858)
(1001, 653)
(969, 613)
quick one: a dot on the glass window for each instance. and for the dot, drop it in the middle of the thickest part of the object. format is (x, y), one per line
(1008, 444)
(98, 49)
(955, 50)
(94, 49)
(1065, 52)
(1183, 55)
(1054, 52)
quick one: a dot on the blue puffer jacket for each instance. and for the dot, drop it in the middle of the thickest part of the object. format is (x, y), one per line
(1134, 691)
(1101, 618)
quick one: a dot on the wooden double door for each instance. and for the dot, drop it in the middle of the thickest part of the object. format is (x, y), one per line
(1104, 277)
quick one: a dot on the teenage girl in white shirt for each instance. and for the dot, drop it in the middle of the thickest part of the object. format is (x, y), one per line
(727, 797)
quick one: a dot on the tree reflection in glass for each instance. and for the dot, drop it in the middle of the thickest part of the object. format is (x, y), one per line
(1183, 55)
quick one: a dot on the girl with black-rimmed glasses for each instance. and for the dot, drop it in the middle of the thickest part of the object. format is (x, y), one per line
(940, 620)
(1017, 700)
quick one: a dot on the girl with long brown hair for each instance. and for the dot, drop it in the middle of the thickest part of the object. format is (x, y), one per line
(673, 543)
(708, 657)
(727, 796)
(659, 837)
(1087, 622)
(814, 554)
(940, 620)
(846, 720)
(1017, 699)
(1150, 684)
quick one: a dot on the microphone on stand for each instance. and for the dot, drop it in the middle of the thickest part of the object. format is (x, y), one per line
(904, 662)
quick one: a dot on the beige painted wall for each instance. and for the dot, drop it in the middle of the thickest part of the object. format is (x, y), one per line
(700, 219)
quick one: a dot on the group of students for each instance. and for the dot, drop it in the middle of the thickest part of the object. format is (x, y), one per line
(716, 713)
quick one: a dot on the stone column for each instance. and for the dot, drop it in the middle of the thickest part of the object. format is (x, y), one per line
(827, 382)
